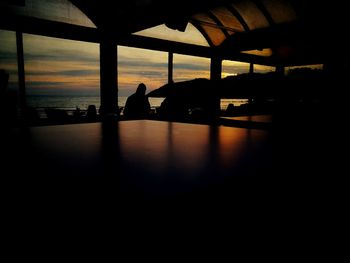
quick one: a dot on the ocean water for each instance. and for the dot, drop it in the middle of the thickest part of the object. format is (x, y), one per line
(70, 103)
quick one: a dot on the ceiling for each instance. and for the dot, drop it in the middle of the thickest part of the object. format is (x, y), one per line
(294, 32)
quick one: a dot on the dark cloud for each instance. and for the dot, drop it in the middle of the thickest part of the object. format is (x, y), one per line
(146, 64)
(12, 72)
(33, 84)
(63, 55)
(76, 72)
(239, 68)
(190, 66)
(63, 92)
(8, 57)
(141, 64)
(83, 72)
(144, 73)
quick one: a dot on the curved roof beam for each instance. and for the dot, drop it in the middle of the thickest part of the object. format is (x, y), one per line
(218, 22)
(200, 29)
(83, 8)
(238, 16)
(264, 11)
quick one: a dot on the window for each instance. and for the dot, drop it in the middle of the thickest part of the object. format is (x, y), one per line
(190, 36)
(61, 73)
(233, 68)
(8, 57)
(263, 69)
(190, 67)
(54, 10)
(292, 69)
(137, 65)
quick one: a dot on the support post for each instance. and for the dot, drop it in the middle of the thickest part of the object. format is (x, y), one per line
(280, 70)
(251, 68)
(170, 67)
(215, 69)
(215, 78)
(109, 78)
(21, 74)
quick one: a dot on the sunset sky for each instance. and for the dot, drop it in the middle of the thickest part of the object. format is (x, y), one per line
(65, 67)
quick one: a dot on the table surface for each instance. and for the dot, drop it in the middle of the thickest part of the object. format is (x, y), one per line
(154, 160)
(160, 180)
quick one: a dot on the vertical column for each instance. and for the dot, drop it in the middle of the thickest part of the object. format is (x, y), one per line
(21, 76)
(251, 68)
(109, 77)
(170, 67)
(215, 69)
(215, 77)
(251, 71)
(280, 70)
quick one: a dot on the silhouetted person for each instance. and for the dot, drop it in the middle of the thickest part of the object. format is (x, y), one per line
(137, 105)
(56, 115)
(230, 110)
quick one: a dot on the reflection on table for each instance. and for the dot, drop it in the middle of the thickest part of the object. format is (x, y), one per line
(153, 160)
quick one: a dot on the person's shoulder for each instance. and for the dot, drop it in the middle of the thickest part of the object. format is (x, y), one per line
(130, 97)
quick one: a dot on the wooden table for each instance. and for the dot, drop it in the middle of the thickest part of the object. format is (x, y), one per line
(156, 162)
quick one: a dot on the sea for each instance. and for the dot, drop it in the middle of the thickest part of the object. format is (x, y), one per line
(70, 103)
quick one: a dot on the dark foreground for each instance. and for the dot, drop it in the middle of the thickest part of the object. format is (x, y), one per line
(146, 175)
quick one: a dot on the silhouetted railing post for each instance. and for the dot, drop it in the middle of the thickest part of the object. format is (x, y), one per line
(21, 76)
(215, 77)
(109, 77)
(251, 68)
(280, 70)
(170, 67)
(215, 69)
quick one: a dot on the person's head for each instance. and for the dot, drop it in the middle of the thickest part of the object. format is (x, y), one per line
(141, 89)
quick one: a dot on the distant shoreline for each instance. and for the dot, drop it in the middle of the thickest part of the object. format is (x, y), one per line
(72, 102)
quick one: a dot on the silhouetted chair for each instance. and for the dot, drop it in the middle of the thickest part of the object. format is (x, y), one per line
(91, 113)
(56, 115)
(32, 116)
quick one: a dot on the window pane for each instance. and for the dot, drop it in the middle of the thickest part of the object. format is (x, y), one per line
(233, 68)
(8, 57)
(210, 27)
(61, 73)
(263, 69)
(292, 69)
(266, 52)
(54, 10)
(8, 63)
(137, 66)
(190, 67)
(190, 36)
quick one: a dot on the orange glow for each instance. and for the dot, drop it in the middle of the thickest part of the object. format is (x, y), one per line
(188, 146)
(231, 143)
(166, 140)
